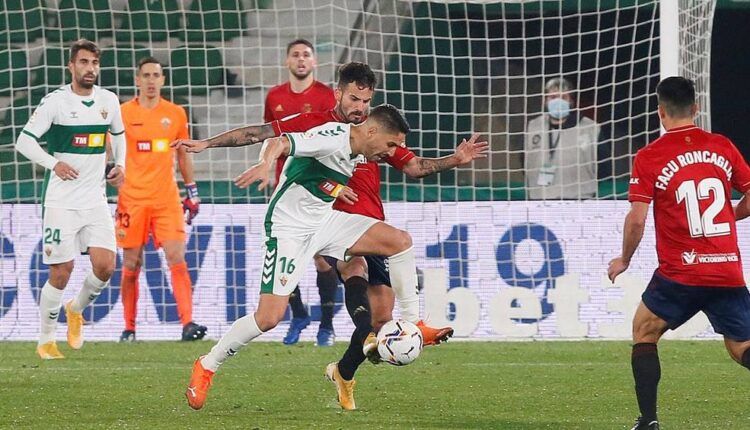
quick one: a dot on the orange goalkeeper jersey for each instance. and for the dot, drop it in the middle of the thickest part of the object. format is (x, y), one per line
(149, 167)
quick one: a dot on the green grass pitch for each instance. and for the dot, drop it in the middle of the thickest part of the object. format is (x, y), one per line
(461, 385)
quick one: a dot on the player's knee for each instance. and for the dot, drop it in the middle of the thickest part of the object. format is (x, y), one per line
(321, 265)
(174, 256)
(132, 265)
(379, 319)
(646, 332)
(357, 266)
(266, 322)
(103, 268)
(400, 241)
(132, 260)
(59, 274)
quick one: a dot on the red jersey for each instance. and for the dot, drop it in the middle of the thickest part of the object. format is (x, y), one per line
(689, 174)
(282, 102)
(366, 179)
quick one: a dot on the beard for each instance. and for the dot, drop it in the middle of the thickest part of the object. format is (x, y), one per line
(85, 84)
(301, 76)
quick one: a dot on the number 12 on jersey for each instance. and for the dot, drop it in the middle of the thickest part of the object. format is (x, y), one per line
(702, 225)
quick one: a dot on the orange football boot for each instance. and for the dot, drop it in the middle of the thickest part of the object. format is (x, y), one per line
(200, 382)
(434, 336)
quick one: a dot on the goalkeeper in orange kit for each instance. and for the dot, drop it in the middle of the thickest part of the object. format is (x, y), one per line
(149, 200)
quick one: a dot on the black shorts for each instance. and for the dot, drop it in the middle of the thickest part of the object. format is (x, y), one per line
(377, 269)
(727, 308)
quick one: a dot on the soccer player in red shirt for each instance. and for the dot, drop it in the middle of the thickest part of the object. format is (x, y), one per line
(303, 94)
(354, 92)
(689, 174)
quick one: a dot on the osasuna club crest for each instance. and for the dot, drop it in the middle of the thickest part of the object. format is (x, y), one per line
(104, 113)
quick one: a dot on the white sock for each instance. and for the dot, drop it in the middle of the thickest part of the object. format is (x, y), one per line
(403, 271)
(49, 309)
(240, 334)
(92, 287)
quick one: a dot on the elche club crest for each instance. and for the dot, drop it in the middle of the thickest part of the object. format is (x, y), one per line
(165, 122)
(104, 113)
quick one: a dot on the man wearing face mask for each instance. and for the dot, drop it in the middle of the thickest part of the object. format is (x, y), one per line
(560, 148)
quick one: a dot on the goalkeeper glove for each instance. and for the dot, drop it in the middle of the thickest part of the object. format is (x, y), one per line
(191, 203)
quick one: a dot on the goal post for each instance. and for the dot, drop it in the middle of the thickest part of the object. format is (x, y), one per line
(497, 253)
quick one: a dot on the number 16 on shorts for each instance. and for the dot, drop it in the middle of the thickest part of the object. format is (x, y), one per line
(280, 273)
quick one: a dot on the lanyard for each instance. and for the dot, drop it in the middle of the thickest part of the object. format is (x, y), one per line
(553, 143)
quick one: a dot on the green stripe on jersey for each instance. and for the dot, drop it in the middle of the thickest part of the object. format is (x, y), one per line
(77, 139)
(45, 184)
(268, 223)
(30, 134)
(291, 144)
(310, 173)
(269, 266)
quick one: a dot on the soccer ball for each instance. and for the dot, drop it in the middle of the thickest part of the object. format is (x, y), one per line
(399, 342)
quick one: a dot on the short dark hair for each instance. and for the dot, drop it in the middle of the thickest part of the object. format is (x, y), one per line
(358, 73)
(390, 118)
(677, 96)
(83, 44)
(299, 42)
(148, 60)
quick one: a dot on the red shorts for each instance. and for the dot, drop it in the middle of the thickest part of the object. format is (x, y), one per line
(134, 221)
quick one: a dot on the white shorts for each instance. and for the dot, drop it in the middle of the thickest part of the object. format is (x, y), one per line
(286, 258)
(67, 233)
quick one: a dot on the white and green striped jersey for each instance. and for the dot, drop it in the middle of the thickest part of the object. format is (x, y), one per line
(320, 159)
(75, 128)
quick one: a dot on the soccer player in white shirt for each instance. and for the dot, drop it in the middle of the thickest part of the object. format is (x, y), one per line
(75, 120)
(300, 222)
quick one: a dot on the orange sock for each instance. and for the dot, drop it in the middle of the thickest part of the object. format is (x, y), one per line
(129, 291)
(183, 292)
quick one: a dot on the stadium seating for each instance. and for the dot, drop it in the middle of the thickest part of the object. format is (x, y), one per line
(194, 69)
(51, 69)
(13, 71)
(150, 21)
(90, 19)
(22, 20)
(213, 20)
(118, 66)
(16, 117)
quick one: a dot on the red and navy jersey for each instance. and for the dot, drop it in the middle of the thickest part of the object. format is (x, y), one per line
(689, 174)
(282, 102)
(366, 179)
(366, 183)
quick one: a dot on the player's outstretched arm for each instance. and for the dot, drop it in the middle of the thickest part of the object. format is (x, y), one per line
(241, 136)
(635, 224)
(261, 172)
(466, 152)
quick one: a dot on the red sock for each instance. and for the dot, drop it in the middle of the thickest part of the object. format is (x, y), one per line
(183, 292)
(129, 291)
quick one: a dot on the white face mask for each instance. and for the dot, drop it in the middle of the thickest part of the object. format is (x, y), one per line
(558, 108)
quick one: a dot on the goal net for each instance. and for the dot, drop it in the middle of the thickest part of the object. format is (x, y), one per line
(513, 245)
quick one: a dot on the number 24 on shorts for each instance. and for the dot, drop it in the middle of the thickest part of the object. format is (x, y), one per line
(52, 236)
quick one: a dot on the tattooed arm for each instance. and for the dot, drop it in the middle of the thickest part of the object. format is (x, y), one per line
(466, 152)
(241, 136)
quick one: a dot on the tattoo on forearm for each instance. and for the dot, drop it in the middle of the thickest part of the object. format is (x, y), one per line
(242, 136)
(428, 166)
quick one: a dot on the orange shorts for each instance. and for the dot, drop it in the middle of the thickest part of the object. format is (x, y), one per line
(134, 221)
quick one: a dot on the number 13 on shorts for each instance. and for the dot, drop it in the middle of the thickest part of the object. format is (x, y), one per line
(280, 272)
